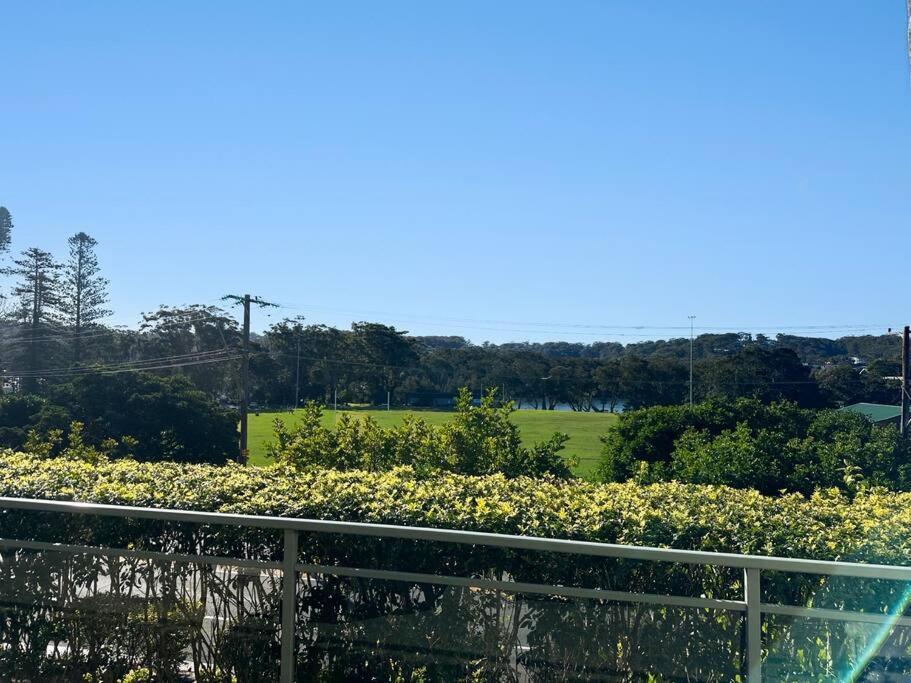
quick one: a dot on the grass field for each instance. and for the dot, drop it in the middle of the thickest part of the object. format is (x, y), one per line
(584, 429)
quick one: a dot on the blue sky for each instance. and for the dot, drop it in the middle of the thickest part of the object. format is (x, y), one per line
(435, 165)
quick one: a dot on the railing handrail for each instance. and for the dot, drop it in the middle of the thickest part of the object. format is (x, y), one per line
(536, 543)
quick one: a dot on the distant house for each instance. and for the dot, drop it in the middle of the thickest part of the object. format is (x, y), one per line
(877, 413)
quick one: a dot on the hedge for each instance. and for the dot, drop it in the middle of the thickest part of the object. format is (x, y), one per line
(873, 526)
(360, 629)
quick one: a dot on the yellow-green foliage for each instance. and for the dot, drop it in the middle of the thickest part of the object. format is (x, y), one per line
(51, 444)
(478, 440)
(578, 636)
(873, 526)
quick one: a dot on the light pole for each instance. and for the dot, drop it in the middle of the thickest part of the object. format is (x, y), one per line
(298, 322)
(692, 318)
(545, 380)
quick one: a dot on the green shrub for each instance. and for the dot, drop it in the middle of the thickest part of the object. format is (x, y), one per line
(20, 413)
(750, 445)
(167, 418)
(142, 675)
(51, 444)
(478, 440)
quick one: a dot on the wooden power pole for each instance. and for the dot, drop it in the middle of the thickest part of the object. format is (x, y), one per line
(905, 380)
(245, 300)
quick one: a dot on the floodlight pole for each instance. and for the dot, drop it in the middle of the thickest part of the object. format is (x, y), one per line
(297, 372)
(692, 318)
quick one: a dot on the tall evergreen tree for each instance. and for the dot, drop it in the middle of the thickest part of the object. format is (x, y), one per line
(38, 291)
(6, 233)
(6, 229)
(83, 292)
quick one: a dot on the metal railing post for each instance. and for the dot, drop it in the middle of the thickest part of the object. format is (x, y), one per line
(289, 604)
(751, 596)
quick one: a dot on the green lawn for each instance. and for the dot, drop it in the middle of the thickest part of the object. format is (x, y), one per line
(584, 429)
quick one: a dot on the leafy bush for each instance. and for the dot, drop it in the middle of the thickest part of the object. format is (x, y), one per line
(872, 526)
(21, 413)
(478, 440)
(166, 418)
(52, 445)
(750, 445)
(366, 629)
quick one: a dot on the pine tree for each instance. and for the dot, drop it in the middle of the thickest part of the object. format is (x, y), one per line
(6, 233)
(84, 292)
(38, 291)
(6, 229)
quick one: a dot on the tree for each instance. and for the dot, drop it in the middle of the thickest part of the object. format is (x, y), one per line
(767, 375)
(530, 369)
(386, 352)
(38, 291)
(20, 413)
(573, 382)
(194, 332)
(840, 384)
(84, 291)
(168, 416)
(607, 380)
(6, 228)
(650, 382)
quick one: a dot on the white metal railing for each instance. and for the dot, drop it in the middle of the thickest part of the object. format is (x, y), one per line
(752, 566)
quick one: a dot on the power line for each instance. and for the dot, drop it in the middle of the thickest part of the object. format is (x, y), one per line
(61, 337)
(105, 370)
(603, 336)
(104, 332)
(552, 324)
(136, 364)
(176, 356)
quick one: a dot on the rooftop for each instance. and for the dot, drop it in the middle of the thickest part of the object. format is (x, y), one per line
(876, 412)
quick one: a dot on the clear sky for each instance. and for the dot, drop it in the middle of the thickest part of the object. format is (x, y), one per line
(576, 163)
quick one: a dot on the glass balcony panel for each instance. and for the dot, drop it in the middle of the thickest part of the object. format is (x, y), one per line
(810, 649)
(66, 617)
(373, 629)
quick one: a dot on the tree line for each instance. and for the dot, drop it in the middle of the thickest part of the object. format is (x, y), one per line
(49, 296)
(53, 330)
(371, 360)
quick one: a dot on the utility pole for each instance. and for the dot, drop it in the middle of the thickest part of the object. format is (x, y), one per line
(245, 300)
(905, 381)
(692, 318)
